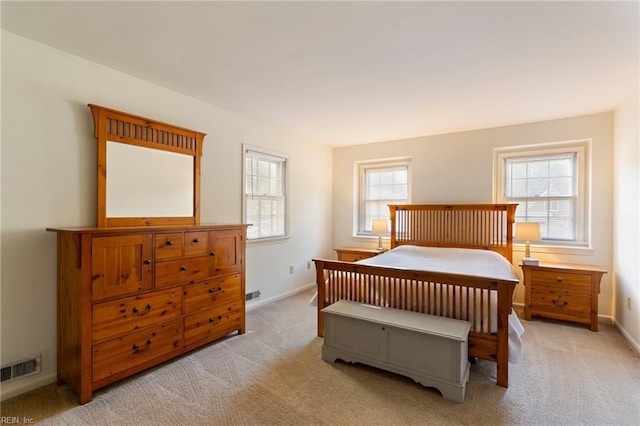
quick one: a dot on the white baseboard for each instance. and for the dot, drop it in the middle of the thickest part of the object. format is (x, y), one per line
(25, 385)
(252, 305)
(635, 345)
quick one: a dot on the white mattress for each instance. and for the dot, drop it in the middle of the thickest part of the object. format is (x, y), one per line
(472, 262)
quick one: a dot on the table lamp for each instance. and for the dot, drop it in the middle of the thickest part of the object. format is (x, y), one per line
(528, 232)
(380, 226)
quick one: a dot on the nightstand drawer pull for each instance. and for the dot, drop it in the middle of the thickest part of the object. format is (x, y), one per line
(559, 304)
(559, 279)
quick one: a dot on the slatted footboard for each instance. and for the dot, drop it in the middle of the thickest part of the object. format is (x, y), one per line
(485, 303)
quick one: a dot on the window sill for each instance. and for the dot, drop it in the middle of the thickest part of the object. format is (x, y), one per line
(542, 249)
(267, 241)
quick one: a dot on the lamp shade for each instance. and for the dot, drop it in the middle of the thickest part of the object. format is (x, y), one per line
(379, 226)
(527, 231)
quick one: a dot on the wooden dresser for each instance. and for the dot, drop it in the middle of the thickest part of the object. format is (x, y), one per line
(563, 291)
(132, 297)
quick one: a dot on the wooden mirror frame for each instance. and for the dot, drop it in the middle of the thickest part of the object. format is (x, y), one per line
(116, 126)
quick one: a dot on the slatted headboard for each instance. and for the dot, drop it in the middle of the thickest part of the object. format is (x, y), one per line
(479, 226)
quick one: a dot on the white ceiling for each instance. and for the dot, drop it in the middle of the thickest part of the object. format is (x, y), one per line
(356, 72)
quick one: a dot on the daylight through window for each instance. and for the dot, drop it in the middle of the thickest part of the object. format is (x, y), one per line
(381, 184)
(549, 186)
(265, 194)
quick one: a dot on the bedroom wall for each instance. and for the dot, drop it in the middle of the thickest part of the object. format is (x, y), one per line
(458, 168)
(49, 179)
(627, 220)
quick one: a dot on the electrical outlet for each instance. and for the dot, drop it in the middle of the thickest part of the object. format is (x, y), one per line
(291, 270)
(309, 265)
(629, 302)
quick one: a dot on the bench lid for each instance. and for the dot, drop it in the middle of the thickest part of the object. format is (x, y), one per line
(431, 324)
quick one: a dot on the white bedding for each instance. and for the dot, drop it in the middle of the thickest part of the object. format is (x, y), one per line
(472, 262)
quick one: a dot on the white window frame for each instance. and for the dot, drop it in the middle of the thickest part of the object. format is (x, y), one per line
(582, 150)
(267, 154)
(359, 225)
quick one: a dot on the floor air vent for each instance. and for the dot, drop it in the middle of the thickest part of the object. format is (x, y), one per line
(23, 368)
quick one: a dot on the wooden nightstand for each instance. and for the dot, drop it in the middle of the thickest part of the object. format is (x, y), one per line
(353, 254)
(563, 291)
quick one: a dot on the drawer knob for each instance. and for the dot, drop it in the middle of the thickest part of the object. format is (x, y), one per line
(215, 320)
(215, 291)
(147, 262)
(145, 312)
(138, 349)
(213, 253)
(183, 268)
(196, 240)
(559, 303)
(559, 279)
(169, 242)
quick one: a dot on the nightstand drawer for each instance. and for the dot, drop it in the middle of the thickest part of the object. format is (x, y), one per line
(353, 257)
(353, 254)
(562, 306)
(561, 282)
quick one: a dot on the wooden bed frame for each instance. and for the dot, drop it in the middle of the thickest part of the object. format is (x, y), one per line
(478, 226)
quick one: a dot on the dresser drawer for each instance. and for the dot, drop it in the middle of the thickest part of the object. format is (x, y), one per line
(195, 243)
(212, 324)
(210, 293)
(133, 313)
(562, 305)
(169, 245)
(128, 351)
(561, 282)
(180, 271)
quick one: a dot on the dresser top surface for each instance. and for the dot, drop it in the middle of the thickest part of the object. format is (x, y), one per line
(138, 229)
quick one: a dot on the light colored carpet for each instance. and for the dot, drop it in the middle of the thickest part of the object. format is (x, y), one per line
(274, 375)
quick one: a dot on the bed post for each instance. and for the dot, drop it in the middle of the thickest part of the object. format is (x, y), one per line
(505, 295)
(392, 219)
(320, 300)
(511, 218)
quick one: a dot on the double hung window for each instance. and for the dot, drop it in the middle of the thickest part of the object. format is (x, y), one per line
(549, 184)
(265, 193)
(380, 184)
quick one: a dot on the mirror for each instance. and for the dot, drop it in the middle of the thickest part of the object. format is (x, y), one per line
(148, 171)
(146, 182)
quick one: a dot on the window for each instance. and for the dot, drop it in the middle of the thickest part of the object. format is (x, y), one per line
(265, 193)
(380, 184)
(548, 182)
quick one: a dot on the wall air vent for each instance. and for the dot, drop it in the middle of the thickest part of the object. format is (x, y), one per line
(23, 368)
(253, 295)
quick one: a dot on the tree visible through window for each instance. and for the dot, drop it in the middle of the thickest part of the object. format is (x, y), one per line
(549, 187)
(545, 189)
(265, 194)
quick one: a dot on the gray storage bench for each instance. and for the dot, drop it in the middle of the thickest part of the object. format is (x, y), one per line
(429, 349)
